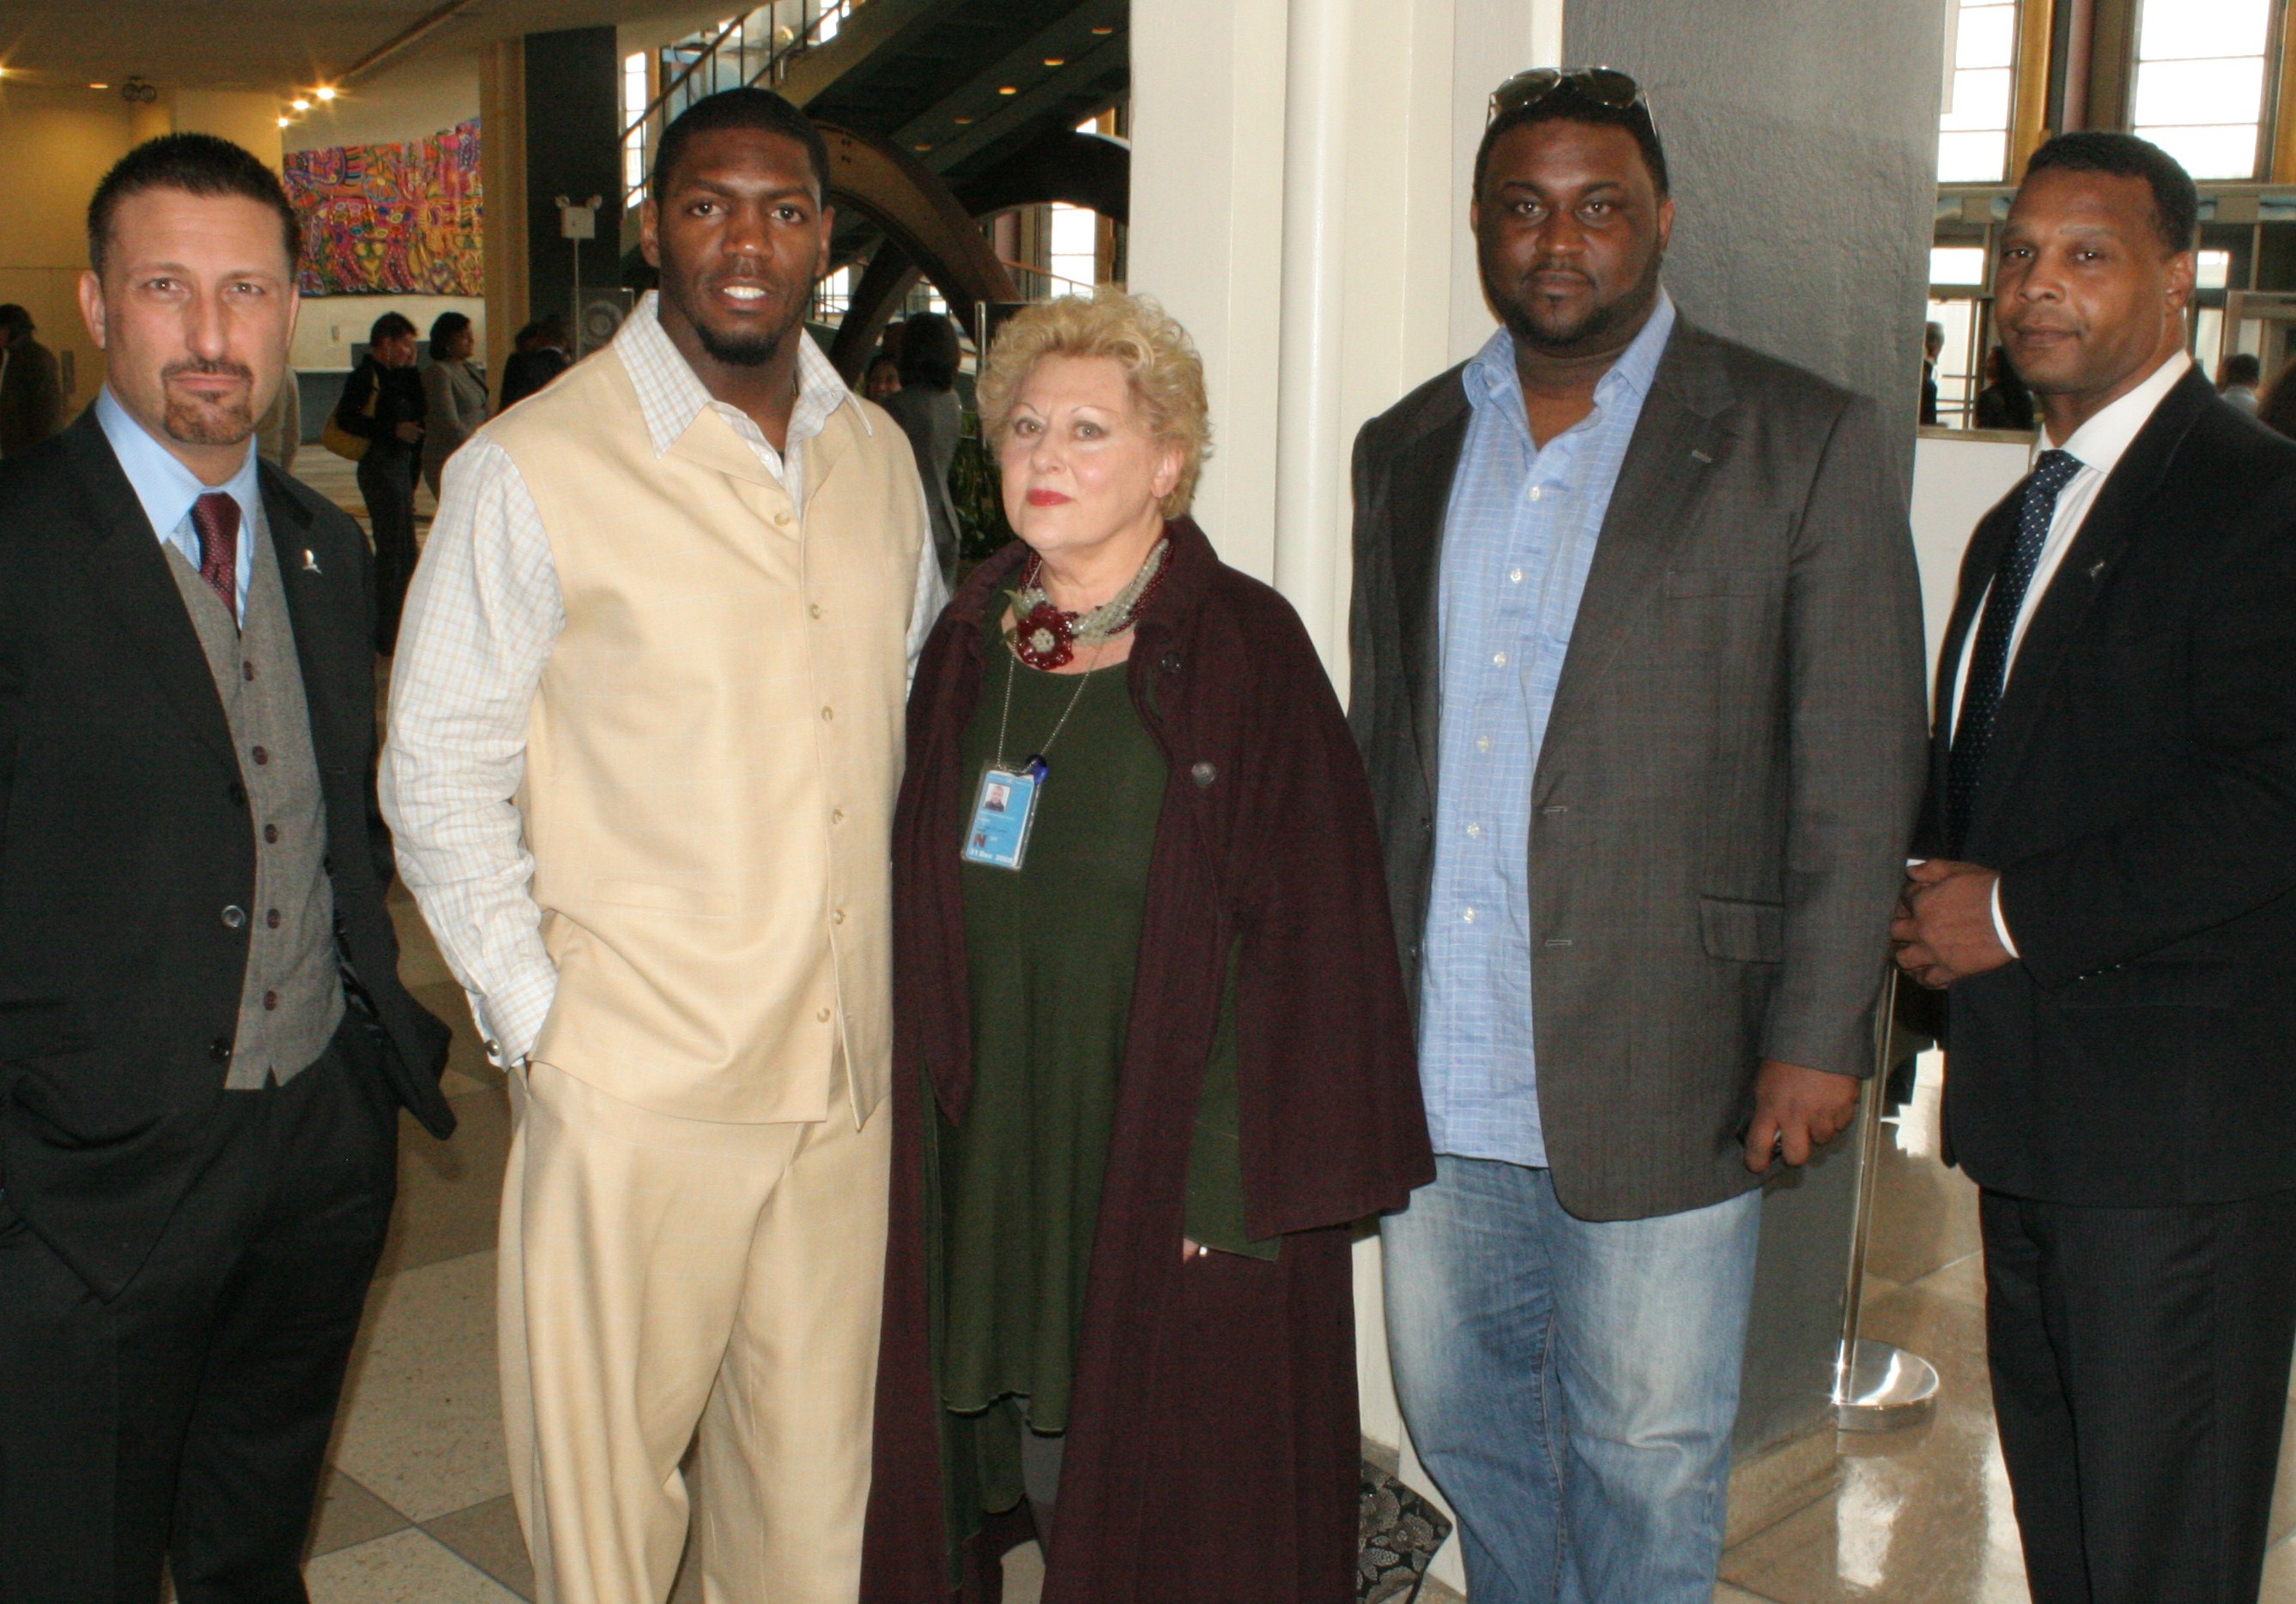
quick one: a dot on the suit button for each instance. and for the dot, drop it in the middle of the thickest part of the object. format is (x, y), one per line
(270, 1002)
(260, 755)
(247, 671)
(271, 833)
(837, 916)
(815, 610)
(237, 793)
(1203, 773)
(219, 1051)
(827, 714)
(272, 919)
(234, 918)
(1169, 663)
(823, 1015)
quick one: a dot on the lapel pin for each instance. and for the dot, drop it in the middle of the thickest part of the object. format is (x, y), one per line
(310, 563)
(2095, 568)
(1697, 456)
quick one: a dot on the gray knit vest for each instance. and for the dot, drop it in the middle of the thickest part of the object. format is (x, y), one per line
(292, 996)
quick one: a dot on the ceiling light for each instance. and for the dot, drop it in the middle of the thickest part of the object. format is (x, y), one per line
(300, 105)
(961, 121)
(286, 120)
(99, 85)
(1056, 61)
(922, 147)
(1007, 89)
(326, 92)
(1103, 32)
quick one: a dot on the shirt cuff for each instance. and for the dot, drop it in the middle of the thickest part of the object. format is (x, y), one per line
(512, 1021)
(2001, 925)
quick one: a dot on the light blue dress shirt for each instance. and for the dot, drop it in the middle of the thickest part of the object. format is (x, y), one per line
(1518, 540)
(166, 489)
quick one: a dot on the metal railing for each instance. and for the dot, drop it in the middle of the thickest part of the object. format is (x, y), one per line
(756, 47)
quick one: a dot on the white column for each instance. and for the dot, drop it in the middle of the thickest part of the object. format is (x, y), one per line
(1299, 178)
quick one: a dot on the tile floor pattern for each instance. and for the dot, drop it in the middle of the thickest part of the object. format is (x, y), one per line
(417, 1510)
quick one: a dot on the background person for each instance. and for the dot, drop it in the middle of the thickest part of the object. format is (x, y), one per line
(382, 404)
(538, 357)
(2004, 402)
(1932, 348)
(2110, 896)
(205, 1040)
(1165, 1056)
(926, 408)
(882, 381)
(2237, 378)
(454, 393)
(31, 386)
(2277, 408)
(645, 734)
(1642, 708)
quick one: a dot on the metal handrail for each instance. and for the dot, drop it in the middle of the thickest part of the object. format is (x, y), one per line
(802, 41)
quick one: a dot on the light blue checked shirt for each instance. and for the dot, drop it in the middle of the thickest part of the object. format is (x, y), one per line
(1517, 541)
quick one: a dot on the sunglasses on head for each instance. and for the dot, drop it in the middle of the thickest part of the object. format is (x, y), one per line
(1604, 86)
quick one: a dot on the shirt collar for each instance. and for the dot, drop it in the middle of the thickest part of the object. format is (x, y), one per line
(165, 488)
(1491, 379)
(671, 395)
(2100, 442)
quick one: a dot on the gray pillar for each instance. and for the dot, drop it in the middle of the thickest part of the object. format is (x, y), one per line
(1802, 136)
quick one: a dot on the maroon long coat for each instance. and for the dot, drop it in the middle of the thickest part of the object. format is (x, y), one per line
(1213, 1443)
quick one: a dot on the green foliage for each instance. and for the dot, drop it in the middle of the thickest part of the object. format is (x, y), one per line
(973, 486)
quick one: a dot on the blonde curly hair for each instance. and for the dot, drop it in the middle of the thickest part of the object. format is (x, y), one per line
(1167, 377)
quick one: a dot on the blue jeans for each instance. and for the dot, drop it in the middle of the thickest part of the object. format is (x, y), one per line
(1572, 1384)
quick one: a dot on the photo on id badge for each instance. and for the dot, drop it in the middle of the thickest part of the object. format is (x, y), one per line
(998, 836)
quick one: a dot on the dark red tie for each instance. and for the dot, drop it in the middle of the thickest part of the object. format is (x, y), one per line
(216, 516)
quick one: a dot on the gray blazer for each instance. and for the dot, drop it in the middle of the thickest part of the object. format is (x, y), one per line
(1730, 774)
(933, 421)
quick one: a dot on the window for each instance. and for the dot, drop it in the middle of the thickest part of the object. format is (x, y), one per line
(636, 95)
(1074, 258)
(1973, 129)
(2200, 82)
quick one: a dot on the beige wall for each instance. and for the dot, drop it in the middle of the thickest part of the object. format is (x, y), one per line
(250, 121)
(413, 102)
(55, 144)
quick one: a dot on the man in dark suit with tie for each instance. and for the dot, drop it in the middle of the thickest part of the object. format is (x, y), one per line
(2110, 896)
(203, 1041)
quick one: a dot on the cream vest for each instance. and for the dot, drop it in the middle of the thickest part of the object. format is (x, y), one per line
(713, 753)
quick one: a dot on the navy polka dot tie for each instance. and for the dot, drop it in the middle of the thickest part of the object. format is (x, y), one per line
(1989, 659)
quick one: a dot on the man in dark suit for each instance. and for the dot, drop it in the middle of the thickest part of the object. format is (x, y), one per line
(203, 1041)
(2110, 896)
(32, 387)
(1636, 646)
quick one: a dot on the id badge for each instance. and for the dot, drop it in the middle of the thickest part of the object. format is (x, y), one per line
(998, 835)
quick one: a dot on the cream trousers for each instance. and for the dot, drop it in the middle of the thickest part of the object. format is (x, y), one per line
(667, 1284)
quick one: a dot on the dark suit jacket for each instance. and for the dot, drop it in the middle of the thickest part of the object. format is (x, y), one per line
(125, 833)
(31, 397)
(1729, 773)
(2140, 802)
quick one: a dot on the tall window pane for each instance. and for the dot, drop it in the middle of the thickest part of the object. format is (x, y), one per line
(1973, 128)
(2200, 82)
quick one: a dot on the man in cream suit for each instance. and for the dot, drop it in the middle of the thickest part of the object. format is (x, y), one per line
(645, 734)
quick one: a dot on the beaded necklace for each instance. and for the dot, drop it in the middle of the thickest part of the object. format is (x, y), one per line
(1046, 638)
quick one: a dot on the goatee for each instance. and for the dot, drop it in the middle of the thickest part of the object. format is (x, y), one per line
(225, 420)
(740, 350)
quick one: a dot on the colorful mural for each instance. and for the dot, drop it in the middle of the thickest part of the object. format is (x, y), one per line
(391, 219)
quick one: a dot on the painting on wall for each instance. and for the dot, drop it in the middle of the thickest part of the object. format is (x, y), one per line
(391, 219)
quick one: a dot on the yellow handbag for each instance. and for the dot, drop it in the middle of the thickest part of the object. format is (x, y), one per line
(341, 441)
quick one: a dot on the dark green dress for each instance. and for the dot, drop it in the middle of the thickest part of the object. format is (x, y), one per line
(1050, 951)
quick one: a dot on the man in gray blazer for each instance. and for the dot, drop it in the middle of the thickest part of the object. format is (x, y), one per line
(1637, 675)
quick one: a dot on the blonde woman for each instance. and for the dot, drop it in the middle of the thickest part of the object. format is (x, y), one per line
(1151, 1049)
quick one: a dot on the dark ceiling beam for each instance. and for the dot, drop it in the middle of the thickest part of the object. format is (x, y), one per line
(403, 40)
(1022, 65)
(1080, 170)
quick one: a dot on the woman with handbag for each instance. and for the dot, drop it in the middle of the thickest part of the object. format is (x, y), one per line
(1152, 1055)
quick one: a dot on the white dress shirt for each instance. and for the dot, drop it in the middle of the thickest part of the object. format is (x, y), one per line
(481, 616)
(2099, 445)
